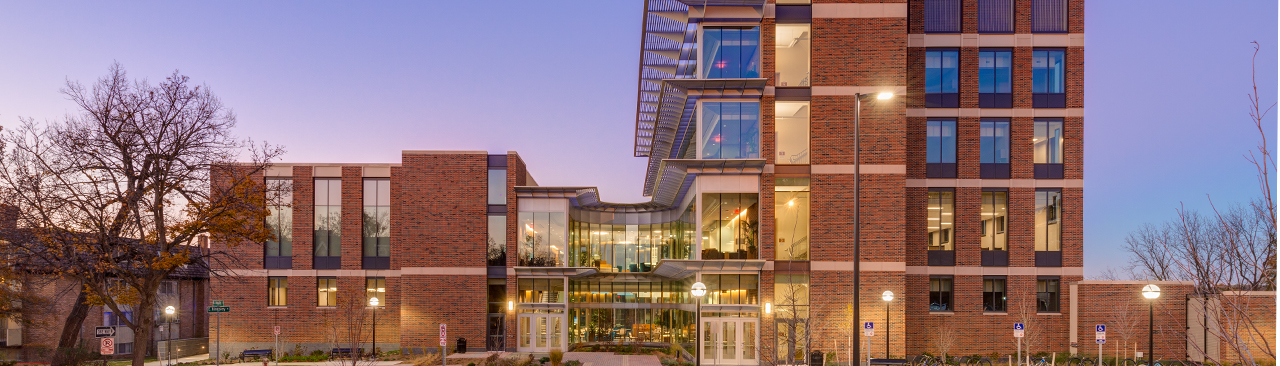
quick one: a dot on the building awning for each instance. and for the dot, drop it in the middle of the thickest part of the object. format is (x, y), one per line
(682, 268)
(570, 272)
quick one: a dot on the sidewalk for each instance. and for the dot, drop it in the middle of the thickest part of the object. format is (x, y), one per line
(259, 363)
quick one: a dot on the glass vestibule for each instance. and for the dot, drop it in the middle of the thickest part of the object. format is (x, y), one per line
(630, 248)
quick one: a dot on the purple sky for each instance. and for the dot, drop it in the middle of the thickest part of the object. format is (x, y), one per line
(1166, 114)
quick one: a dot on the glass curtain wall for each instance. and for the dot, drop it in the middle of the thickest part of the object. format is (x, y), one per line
(651, 316)
(730, 130)
(791, 215)
(791, 127)
(629, 248)
(737, 289)
(791, 45)
(540, 290)
(729, 225)
(542, 239)
(730, 52)
(791, 314)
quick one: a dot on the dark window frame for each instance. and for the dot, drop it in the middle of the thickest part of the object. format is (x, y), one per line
(994, 169)
(1037, 17)
(990, 302)
(934, 12)
(942, 301)
(382, 297)
(940, 98)
(282, 258)
(1047, 98)
(942, 168)
(984, 13)
(274, 283)
(995, 98)
(331, 232)
(378, 260)
(333, 289)
(1054, 301)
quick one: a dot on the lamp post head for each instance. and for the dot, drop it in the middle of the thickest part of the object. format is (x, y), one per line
(698, 289)
(1151, 291)
(884, 95)
(887, 296)
(373, 301)
(169, 310)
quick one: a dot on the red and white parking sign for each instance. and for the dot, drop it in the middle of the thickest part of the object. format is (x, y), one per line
(444, 334)
(276, 330)
(108, 346)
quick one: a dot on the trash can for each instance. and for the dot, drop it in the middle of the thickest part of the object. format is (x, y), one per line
(461, 346)
(815, 358)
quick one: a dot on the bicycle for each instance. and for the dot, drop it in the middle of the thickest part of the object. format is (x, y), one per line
(1039, 361)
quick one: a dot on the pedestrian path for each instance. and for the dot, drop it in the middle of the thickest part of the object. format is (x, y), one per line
(611, 359)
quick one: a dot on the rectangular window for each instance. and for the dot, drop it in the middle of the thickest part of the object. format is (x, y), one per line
(377, 219)
(277, 289)
(280, 217)
(995, 75)
(791, 314)
(111, 319)
(995, 207)
(995, 16)
(993, 294)
(730, 130)
(168, 288)
(729, 225)
(791, 128)
(942, 78)
(791, 46)
(940, 148)
(1048, 16)
(327, 288)
(328, 224)
(1048, 141)
(497, 186)
(730, 52)
(1047, 295)
(994, 154)
(497, 252)
(1048, 223)
(735, 289)
(1048, 77)
(541, 290)
(941, 220)
(375, 288)
(942, 16)
(940, 294)
(542, 239)
(791, 213)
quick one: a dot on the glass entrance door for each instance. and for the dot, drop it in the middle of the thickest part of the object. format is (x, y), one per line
(730, 341)
(541, 332)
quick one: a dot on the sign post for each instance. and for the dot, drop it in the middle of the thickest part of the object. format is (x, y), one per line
(108, 346)
(869, 330)
(276, 331)
(444, 335)
(1100, 336)
(1018, 332)
(219, 309)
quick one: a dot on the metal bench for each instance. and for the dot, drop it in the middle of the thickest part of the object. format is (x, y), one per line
(255, 353)
(340, 352)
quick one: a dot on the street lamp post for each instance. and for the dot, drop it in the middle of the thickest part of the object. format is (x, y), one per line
(373, 304)
(168, 333)
(1151, 292)
(857, 223)
(698, 290)
(887, 296)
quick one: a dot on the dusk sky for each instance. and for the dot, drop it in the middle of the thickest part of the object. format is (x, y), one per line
(1166, 113)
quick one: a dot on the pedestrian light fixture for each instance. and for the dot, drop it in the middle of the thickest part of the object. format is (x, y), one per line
(1151, 292)
(698, 290)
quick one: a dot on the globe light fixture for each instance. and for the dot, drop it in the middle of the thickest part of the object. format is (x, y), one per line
(1151, 291)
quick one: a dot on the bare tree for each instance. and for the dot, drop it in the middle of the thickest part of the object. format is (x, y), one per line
(347, 324)
(123, 189)
(944, 337)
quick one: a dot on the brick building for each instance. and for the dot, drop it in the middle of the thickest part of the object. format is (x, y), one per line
(968, 156)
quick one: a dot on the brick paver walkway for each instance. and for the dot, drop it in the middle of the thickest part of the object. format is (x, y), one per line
(610, 359)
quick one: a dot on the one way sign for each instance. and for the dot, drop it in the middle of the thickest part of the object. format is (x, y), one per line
(104, 332)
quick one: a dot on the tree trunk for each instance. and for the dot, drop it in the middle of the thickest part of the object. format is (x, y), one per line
(145, 322)
(70, 337)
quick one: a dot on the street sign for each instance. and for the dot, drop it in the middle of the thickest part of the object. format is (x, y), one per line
(217, 302)
(276, 330)
(1100, 328)
(108, 346)
(869, 325)
(1101, 340)
(1018, 329)
(219, 309)
(1100, 335)
(102, 332)
(1018, 326)
(869, 329)
(444, 334)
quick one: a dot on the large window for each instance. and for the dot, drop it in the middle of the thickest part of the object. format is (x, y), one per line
(542, 239)
(791, 215)
(735, 289)
(1047, 148)
(540, 290)
(940, 148)
(730, 130)
(1048, 220)
(375, 288)
(942, 16)
(792, 50)
(729, 225)
(993, 294)
(995, 16)
(730, 53)
(994, 156)
(277, 291)
(995, 210)
(497, 186)
(630, 248)
(940, 294)
(1048, 77)
(1049, 16)
(1047, 295)
(791, 128)
(327, 289)
(942, 78)
(497, 242)
(279, 221)
(791, 313)
(328, 224)
(377, 223)
(941, 220)
(995, 75)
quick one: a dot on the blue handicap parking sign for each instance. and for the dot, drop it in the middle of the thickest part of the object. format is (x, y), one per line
(869, 325)
(1017, 326)
(1101, 328)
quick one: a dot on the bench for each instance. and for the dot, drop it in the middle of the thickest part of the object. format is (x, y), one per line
(255, 353)
(339, 352)
(887, 361)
